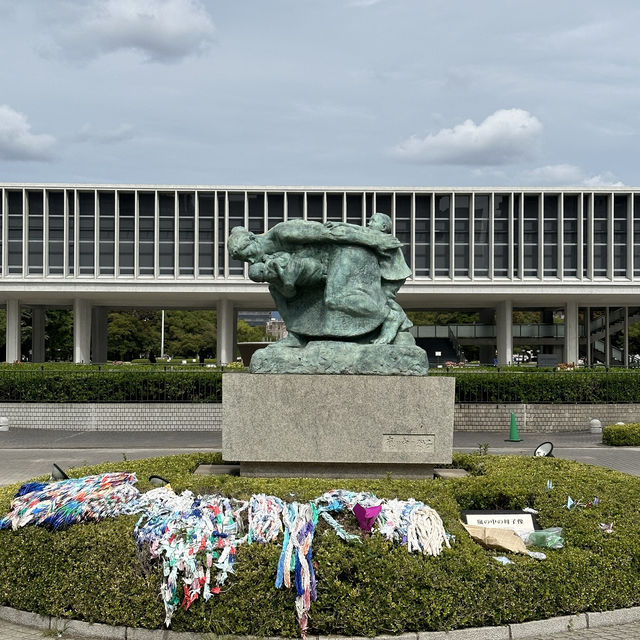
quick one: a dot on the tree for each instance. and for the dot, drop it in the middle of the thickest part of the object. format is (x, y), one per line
(133, 333)
(190, 333)
(59, 335)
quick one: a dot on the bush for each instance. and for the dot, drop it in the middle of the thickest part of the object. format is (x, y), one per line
(622, 435)
(569, 387)
(109, 384)
(92, 571)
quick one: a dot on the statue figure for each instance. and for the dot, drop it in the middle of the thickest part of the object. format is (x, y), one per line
(330, 282)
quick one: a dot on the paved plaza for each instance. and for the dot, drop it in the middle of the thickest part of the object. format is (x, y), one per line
(26, 453)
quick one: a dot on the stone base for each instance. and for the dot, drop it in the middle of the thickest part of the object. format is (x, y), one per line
(337, 425)
(334, 357)
(314, 470)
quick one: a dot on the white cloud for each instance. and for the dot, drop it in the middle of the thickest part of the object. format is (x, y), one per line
(605, 179)
(16, 140)
(556, 174)
(88, 133)
(570, 175)
(508, 135)
(160, 30)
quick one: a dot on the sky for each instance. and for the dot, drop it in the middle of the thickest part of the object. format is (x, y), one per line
(420, 93)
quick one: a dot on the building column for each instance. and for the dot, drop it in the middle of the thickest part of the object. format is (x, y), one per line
(504, 332)
(38, 315)
(607, 339)
(227, 332)
(81, 331)
(571, 332)
(99, 318)
(626, 337)
(13, 351)
(486, 352)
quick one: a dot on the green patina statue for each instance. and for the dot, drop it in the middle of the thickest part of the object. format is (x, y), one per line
(335, 286)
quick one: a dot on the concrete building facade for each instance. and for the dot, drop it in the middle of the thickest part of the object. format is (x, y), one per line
(97, 247)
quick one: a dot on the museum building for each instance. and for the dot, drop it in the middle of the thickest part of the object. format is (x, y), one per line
(573, 253)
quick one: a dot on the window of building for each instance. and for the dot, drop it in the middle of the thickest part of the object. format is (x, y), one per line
(35, 203)
(384, 204)
(334, 207)
(235, 202)
(107, 218)
(275, 209)
(56, 232)
(570, 235)
(461, 236)
(295, 206)
(86, 231)
(481, 236)
(206, 226)
(186, 232)
(442, 245)
(71, 219)
(600, 235)
(146, 232)
(126, 233)
(14, 232)
(403, 224)
(620, 209)
(422, 235)
(530, 222)
(550, 232)
(166, 233)
(354, 208)
(501, 235)
(222, 247)
(636, 235)
(315, 206)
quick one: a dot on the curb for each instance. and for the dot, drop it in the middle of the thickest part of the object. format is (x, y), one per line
(559, 624)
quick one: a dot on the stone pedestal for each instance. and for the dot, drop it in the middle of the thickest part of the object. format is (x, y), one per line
(337, 425)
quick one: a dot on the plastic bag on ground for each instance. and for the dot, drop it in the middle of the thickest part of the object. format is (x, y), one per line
(548, 538)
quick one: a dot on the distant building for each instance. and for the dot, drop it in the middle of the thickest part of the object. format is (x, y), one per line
(276, 329)
(95, 247)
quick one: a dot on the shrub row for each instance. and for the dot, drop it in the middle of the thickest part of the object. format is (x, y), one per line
(548, 387)
(622, 435)
(92, 572)
(154, 384)
(110, 385)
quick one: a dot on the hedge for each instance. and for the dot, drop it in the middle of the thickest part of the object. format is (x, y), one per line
(622, 435)
(92, 571)
(570, 387)
(91, 384)
(141, 383)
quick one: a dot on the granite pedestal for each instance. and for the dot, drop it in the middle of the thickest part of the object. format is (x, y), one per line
(337, 425)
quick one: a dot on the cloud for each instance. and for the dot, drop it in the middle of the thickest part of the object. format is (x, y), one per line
(556, 174)
(159, 30)
(16, 140)
(606, 179)
(570, 175)
(506, 136)
(88, 133)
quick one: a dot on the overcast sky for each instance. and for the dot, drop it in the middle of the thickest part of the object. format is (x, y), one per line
(320, 92)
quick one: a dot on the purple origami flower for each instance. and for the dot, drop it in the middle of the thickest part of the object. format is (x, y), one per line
(366, 516)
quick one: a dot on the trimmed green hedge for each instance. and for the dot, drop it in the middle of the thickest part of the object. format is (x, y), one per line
(622, 435)
(570, 387)
(92, 572)
(92, 384)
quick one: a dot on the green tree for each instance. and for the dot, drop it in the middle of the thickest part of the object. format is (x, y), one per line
(247, 333)
(59, 335)
(133, 333)
(190, 333)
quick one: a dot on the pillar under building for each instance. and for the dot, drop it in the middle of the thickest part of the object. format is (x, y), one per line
(486, 352)
(571, 353)
(99, 321)
(81, 331)
(38, 316)
(504, 332)
(13, 345)
(227, 332)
